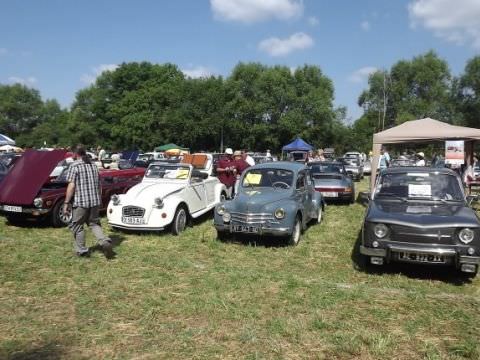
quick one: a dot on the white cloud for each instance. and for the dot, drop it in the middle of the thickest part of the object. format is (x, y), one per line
(96, 71)
(362, 74)
(280, 47)
(455, 21)
(250, 11)
(313, 21)
(197, 72)
(365, 25)
(29, 81)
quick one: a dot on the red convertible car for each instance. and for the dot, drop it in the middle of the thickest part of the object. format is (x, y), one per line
(28, 191)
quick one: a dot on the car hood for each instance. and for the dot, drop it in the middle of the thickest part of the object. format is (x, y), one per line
(422, 214)
(253, 200)
(146, 192)
(25, 179)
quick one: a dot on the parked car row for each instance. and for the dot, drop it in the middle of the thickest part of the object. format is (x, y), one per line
(414, 214)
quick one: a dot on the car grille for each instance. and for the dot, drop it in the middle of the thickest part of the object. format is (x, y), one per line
(251, 218)
(423, 236)
(133, 211)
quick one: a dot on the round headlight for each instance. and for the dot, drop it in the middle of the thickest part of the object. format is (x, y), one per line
(279, 213)
(38, 202)
(380, 230)
(466, 235)
(221, 209)
(226, 217)
(158, 202)
(115, 199)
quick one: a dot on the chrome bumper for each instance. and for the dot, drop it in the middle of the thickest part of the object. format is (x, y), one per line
(26, 212)
(139, 228)
(281, 231)
(385, 252)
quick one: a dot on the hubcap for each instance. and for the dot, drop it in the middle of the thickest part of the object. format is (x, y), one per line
(296, 232)
(65, 218)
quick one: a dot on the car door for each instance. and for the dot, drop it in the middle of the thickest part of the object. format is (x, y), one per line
(210, 184)
(195, 194)
(302, 195)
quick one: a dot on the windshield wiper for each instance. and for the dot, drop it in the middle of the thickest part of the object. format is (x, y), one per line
(392, 195)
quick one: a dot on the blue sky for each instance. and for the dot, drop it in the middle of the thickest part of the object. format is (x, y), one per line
(60, 46)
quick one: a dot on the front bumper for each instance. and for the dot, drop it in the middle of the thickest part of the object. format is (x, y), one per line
(25, 211)
(135, 228)
(454, 253)
(264, 230)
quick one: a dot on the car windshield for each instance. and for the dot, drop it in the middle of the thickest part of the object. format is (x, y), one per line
(419, 185)
(166, 171)
(326, 168)
(278, 178)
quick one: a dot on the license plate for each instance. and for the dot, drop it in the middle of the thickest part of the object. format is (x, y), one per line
(133, 220)
(12, 208)
(244, 229)
(329, 194)
(420, 257)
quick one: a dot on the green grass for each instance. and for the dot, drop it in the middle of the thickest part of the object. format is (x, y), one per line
(192, 296)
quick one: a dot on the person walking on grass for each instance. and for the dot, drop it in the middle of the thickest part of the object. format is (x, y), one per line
(84, 189)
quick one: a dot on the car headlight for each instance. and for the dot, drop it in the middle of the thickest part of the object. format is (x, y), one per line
(158, 202)
(226, 217)
(38, 202)
(279, 213)
(380, 230)
(466, 235)
(115, 199)
(221, 209)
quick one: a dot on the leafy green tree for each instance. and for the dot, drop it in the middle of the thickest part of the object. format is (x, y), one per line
(20, 109)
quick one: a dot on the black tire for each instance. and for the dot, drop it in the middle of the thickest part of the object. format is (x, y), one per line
(58, 218)
(352, 199)
(294, 238)
(180, 220)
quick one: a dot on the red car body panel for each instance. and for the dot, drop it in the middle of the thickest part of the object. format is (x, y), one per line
(31, 171)
(51, 191)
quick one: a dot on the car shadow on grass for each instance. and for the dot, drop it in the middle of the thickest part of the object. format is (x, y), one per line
(109, 252)
(28, 222)
(447, 274)
(50, 351)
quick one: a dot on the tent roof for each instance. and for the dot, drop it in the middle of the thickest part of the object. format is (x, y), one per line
(424, 130)
(297, 144)
(168, 147)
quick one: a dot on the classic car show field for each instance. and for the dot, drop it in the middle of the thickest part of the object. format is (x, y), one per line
(192, 296)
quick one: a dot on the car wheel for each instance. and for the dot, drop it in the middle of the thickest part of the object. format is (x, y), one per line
(352, 199)
(294, 238)
(179, 220)
(59, 218)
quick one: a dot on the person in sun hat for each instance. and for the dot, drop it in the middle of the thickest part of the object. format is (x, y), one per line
(226, 170)
(421, 159)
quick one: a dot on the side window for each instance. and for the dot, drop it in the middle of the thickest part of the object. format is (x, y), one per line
(300, 181)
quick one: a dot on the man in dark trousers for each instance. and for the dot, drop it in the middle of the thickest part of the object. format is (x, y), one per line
(84, 183)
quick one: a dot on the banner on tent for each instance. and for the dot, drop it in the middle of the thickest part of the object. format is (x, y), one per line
(454, 152)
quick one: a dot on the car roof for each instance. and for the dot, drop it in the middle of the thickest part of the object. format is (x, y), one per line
(417, 169)
(285, 165)
(326, 163)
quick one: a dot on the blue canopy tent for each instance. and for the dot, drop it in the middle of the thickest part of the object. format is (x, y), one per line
(297, 145)
(5, 140)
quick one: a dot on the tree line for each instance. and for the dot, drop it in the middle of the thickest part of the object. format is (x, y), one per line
(141, 105)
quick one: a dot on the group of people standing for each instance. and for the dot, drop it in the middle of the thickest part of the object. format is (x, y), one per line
(231, 166)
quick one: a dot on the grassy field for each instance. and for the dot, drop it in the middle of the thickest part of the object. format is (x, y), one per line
(195, 297)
